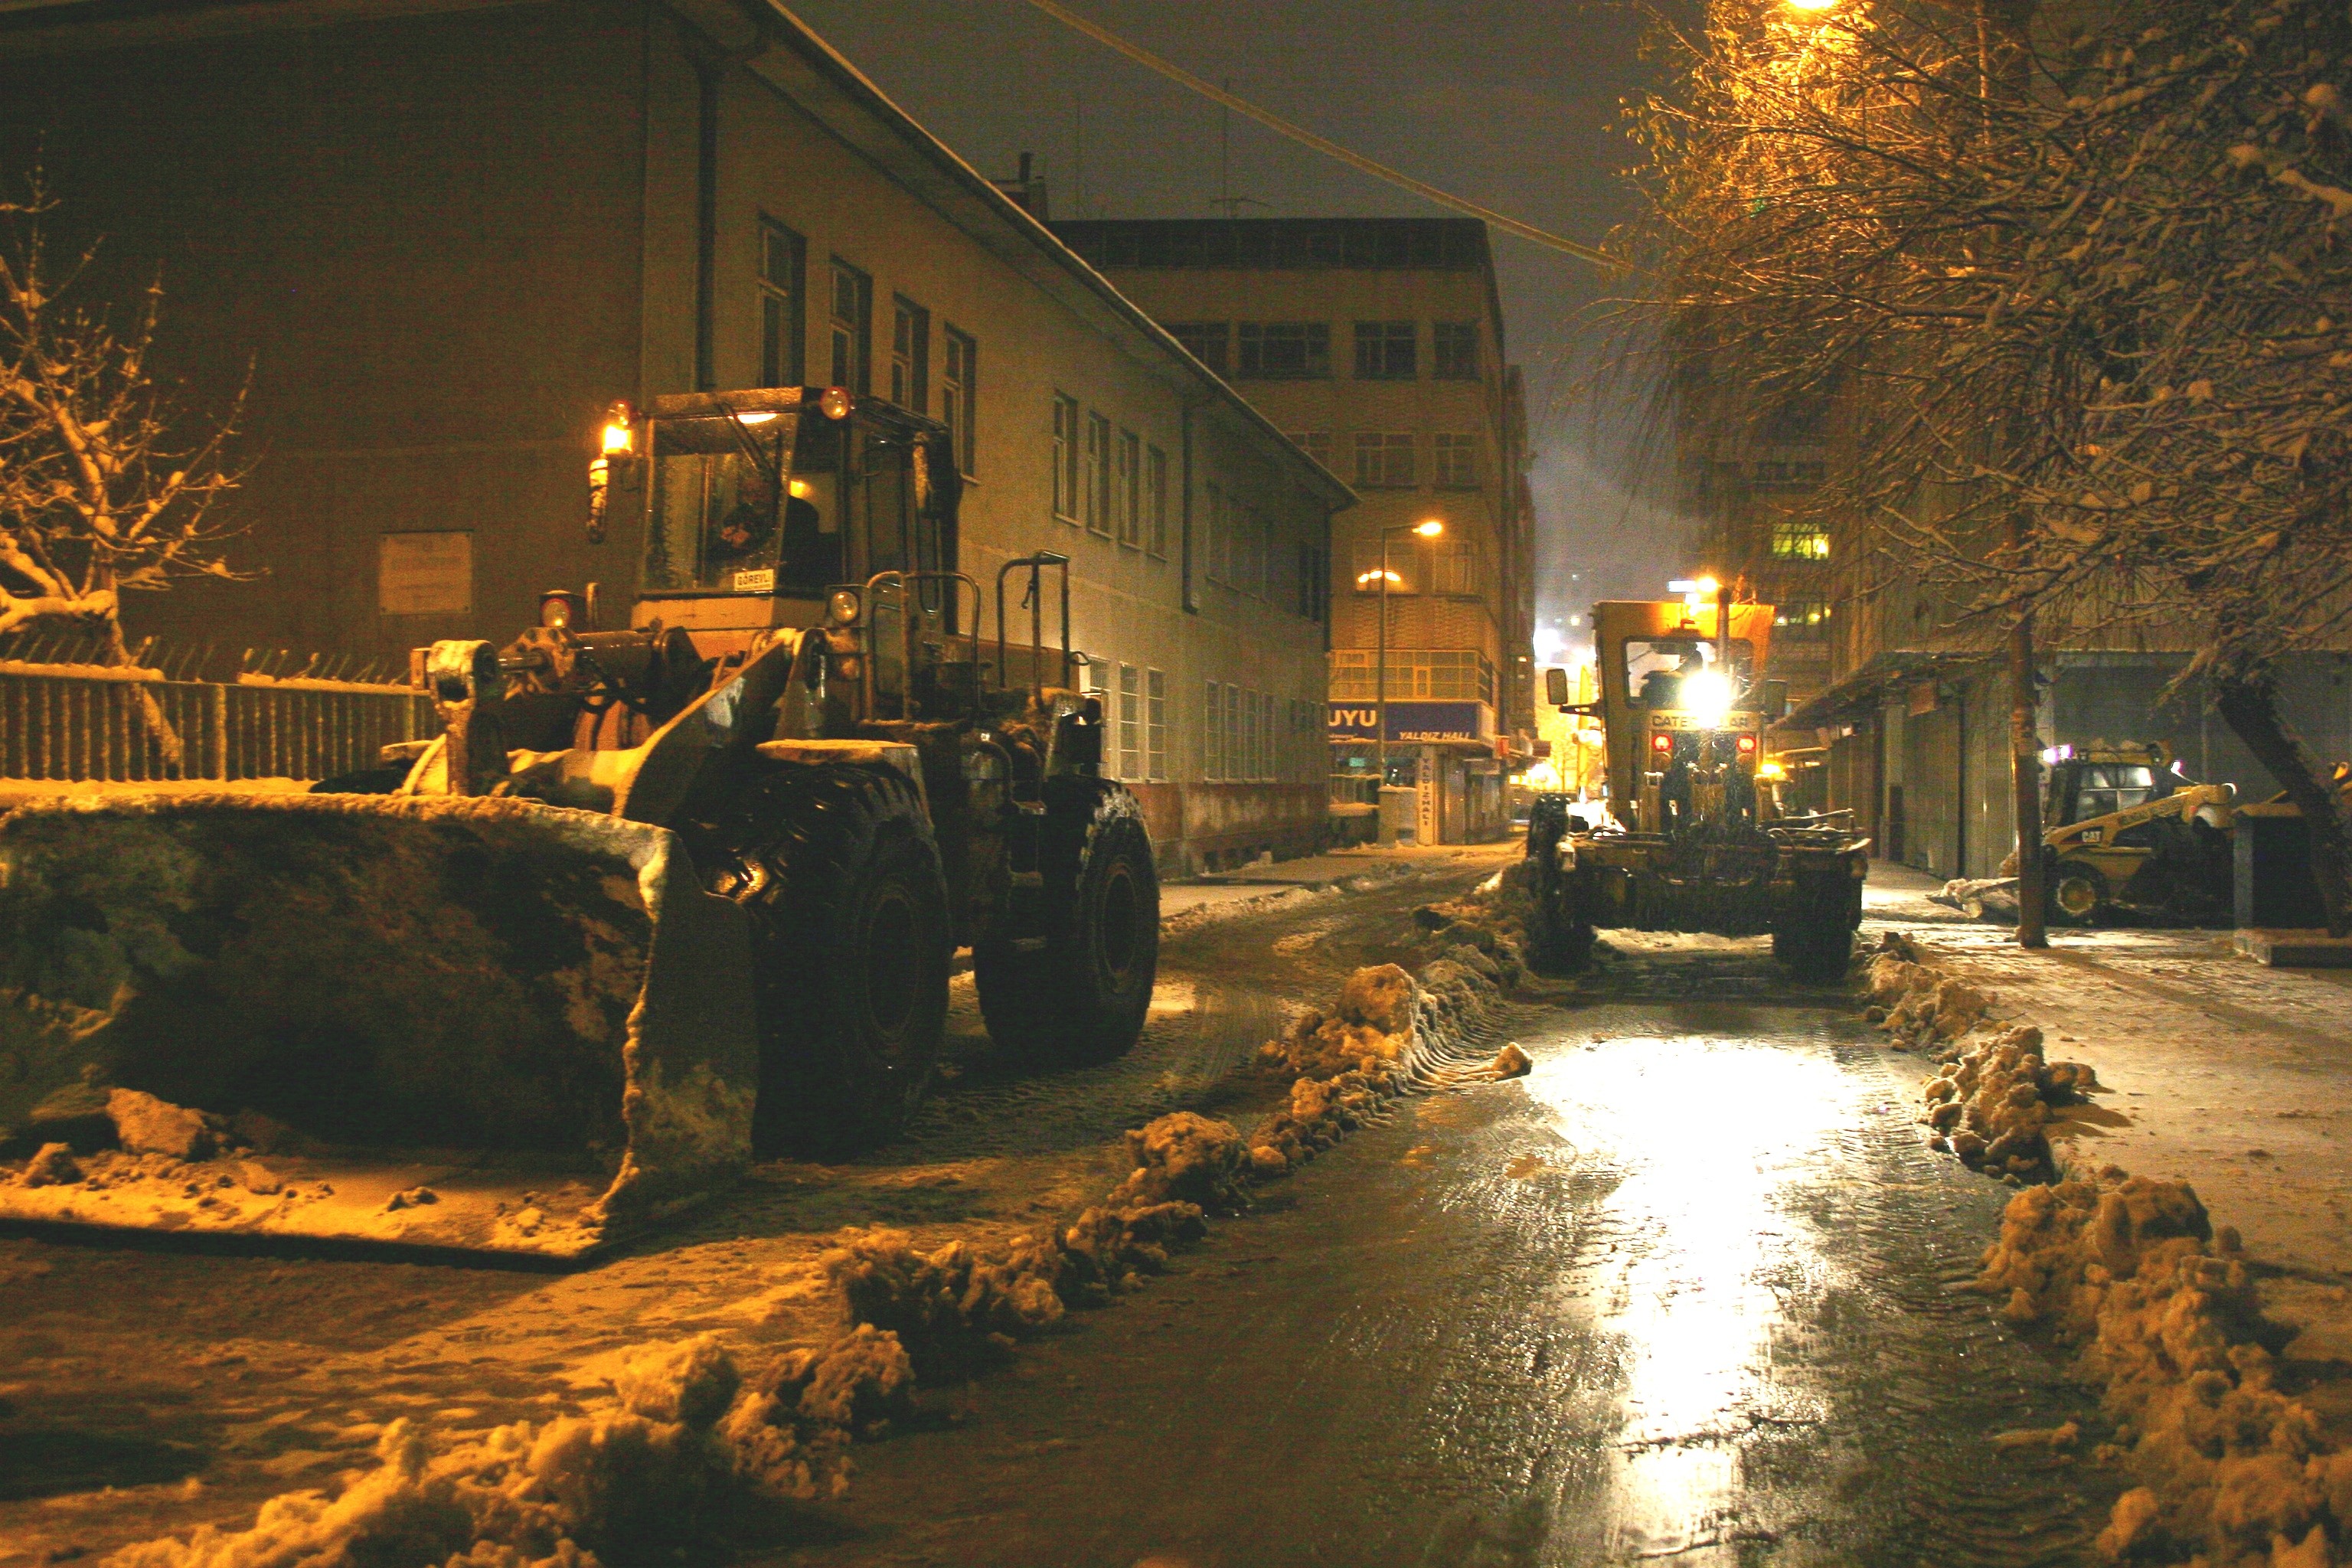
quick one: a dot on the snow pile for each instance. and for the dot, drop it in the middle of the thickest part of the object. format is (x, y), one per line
(1369, 1029)
(1183, 1157)
(1992, 1100)
(634, 1477)
(2230, 1472)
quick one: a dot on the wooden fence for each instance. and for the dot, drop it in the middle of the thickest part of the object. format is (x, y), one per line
(85, 721)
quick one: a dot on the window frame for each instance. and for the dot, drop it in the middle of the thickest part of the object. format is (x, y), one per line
(1383, 474)
(1065, 457)
(1388, 350)
(1129, 731)
(1216, 336)
(1155, 538)
(1796, 539)
(1448, 361)
(910, 355)
(783, 306)
(1441, 442)
(1096, 492)
(1130, 497)
(959, 385)
(1155, 723)
(1252, 340)
(851, 335)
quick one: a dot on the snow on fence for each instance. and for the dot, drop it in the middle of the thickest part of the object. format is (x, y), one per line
(84, 721)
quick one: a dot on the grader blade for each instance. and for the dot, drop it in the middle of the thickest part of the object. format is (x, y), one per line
(461, 1024)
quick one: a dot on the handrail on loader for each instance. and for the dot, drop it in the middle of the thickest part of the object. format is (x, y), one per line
(1036, 600)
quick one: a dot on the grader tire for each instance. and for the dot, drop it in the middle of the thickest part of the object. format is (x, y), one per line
(851, 942)
(1076, 990)
(1561, 939)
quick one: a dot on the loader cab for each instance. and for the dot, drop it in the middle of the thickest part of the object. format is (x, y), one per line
(2093, 783)
(753, 507)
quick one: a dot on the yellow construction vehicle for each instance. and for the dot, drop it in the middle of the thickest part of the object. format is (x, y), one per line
(658, 897)
(1694, 846)
(2124, 830)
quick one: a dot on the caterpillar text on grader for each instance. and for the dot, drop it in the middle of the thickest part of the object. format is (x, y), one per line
(656, 898)
(1691, 845)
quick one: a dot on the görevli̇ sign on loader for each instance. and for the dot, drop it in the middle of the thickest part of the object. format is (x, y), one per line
(656, 898)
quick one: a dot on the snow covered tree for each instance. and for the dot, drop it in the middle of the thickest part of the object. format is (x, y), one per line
(2078, 292)
(99, 493)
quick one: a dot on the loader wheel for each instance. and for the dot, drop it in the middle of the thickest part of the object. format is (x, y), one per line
(1560, 937)
(852, 940)
(2078, 895)
(1075, 990)
(1813, 941)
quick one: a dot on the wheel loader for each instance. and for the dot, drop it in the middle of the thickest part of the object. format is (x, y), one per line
(2116, 837)
(661, 897)
(1688, 843)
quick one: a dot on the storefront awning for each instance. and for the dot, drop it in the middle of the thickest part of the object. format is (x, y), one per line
(1865, 687)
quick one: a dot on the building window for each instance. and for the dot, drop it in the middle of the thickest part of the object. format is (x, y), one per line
(1314, 582)
(1403, 567)
(1455, 461)
(1130, 721)
(1772, 474)
(1206, 341)
(853, 328)
(1213, 730)
(784, 262)
(1240, 547)
(1212, 539)
(1457, 570)
(959, 392)
(1130, 490)
(1795, 539)
(1097, 492)
(1384, 351)
(1457, 345)
(1155, 496)
(1155, 723)
(910, 355)
(1384, 460)
(1316, 443)
(1802, 620)
(1065, 458)
(1237, 753)
(1286, 350)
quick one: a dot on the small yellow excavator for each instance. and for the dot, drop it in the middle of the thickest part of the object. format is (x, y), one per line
(2115, 836)
(658, 897)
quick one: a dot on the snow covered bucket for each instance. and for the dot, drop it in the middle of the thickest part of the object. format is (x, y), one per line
(469, 1024)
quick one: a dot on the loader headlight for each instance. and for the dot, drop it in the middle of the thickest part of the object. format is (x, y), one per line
(1707, 696)
(841, 609)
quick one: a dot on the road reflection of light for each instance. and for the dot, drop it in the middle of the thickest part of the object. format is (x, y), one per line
(1706, 1135)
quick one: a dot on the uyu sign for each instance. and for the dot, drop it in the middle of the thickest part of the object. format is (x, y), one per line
(1412, 723)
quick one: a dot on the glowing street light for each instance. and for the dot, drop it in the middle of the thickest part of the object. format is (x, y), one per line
(1428, 528)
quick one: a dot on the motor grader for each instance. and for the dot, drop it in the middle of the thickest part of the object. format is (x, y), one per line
(659, 897)
(1688, 844)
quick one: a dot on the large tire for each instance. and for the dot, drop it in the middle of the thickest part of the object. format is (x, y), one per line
(1075, 989)
(1813, 939)
(2078, 895)
(852, 940)
(1560, 936)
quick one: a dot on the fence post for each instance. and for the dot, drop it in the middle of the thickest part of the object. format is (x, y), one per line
(220, 730)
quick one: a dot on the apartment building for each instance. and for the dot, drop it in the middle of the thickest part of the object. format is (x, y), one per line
(435, 240)
(1378, 344)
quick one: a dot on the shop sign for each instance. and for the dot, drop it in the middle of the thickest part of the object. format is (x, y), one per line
(1412, 724)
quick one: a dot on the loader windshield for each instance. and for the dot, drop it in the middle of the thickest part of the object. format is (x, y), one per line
(719, 507)
(1655, 669)
(2104, 788)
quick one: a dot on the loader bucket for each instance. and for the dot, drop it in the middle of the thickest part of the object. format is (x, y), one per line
(469, 1025)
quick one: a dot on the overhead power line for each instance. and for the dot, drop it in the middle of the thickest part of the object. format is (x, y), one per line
(1323, 144)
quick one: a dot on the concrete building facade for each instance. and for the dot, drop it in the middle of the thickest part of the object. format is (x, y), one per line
(1378, 344)
(435, 240)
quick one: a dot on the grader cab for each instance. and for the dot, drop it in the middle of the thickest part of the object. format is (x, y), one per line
(1687, 842)
(658, 897)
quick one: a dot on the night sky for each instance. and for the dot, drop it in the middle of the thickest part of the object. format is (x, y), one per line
(1511, 105)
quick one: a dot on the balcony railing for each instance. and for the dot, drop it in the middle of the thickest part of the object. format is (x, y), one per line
(1428, 675)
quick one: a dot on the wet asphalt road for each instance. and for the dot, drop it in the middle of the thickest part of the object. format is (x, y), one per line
(1686, 1293)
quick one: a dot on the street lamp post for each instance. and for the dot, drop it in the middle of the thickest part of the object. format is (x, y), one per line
(1429, 527)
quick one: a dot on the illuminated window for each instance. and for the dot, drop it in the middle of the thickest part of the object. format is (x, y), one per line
(1802, 620)
(1793, 539)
